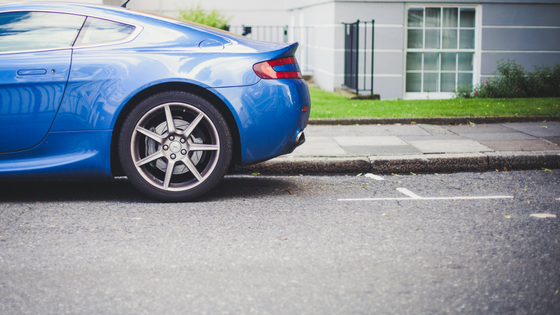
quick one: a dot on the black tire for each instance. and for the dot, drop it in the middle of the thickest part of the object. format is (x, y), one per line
(175, 146)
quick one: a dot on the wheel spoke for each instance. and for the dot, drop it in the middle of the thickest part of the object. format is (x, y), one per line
(203, 147)
(193, 125)
(168, 173)
(192, 168)
(169, 119)
(149, 158)
(150, 134)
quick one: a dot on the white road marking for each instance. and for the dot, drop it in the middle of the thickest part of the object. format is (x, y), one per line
(413, 196)
(376, 177)
(409, 193)
(543, 215)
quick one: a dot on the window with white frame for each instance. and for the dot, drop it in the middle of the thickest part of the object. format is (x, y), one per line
(440, 48)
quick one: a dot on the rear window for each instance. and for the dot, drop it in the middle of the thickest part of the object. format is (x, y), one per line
(22, 31)
(98, 31)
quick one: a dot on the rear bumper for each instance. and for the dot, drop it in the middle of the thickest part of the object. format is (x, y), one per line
(269, 116)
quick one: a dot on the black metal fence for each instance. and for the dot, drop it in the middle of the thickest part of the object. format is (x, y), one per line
(282, 34)
(353, 68)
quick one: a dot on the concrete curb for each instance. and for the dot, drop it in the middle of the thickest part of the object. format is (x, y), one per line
(431, 120)
(311, 164)
(464, 162)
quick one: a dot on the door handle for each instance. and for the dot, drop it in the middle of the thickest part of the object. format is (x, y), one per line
(32, 72)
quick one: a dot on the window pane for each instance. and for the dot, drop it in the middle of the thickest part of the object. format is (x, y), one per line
(448, 61)
(450, 17)
(414, 39)
(433, 17)
(430, 82)
(413, 61)
(101, 31)
(413, 82)
(465, 62)
(465, 79)
(38, 30)
(467, 17)
(467, 39)
(432, 39)
(415, 17)
(431, 61)
(449, 39)
(447, 82)
(440, 46)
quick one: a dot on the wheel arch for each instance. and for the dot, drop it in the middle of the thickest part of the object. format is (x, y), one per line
(116, 168)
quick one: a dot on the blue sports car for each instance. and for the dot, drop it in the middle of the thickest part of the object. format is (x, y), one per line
(93, 92)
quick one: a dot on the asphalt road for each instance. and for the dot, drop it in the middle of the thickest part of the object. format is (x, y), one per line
(286, 245)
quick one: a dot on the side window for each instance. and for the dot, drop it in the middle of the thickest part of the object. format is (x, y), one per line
(21, 31)
(97, 31)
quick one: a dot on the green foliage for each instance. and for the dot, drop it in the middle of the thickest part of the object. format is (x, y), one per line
(198, 15)
(545, 81)
(512, 81)
(464, 91)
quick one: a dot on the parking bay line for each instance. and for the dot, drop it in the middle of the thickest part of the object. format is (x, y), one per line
(413, 196)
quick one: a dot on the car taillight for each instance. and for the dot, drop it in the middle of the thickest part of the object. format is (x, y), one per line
(265, 69)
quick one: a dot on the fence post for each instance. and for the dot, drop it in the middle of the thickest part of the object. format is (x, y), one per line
(372, 51)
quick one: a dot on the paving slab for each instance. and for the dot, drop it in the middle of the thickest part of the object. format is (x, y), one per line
(452, 137)
(521, 145)
(553, 139)
(544, 129)
(363, 130)
(468, 129)
(319, 146)
(381, 150)
(435, 130)
(370, 141)
(389, 130)
(449, 146)
(499, 136)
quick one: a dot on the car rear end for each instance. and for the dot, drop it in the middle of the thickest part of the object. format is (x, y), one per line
(272, 113)
(260, 83)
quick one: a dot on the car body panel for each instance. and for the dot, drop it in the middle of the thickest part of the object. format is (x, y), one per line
(101, 81)
(78, 155)
(31, 89)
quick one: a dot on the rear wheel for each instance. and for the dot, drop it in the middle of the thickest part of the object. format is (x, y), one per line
(175, 146)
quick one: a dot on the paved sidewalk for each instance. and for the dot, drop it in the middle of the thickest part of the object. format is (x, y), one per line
(420, 148)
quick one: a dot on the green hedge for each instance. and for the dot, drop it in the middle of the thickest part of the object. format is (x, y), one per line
(512, 81)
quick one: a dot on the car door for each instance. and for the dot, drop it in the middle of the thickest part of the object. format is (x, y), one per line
(35, 59)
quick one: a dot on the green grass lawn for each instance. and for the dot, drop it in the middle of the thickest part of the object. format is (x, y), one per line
(333, 105)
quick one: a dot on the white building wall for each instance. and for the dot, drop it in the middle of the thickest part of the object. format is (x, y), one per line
(388, 45)
(321, 45)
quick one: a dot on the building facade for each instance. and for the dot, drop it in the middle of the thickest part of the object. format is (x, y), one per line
(422, 49)
(427, 49)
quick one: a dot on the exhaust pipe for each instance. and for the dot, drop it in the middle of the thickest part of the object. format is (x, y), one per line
(300, 139)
